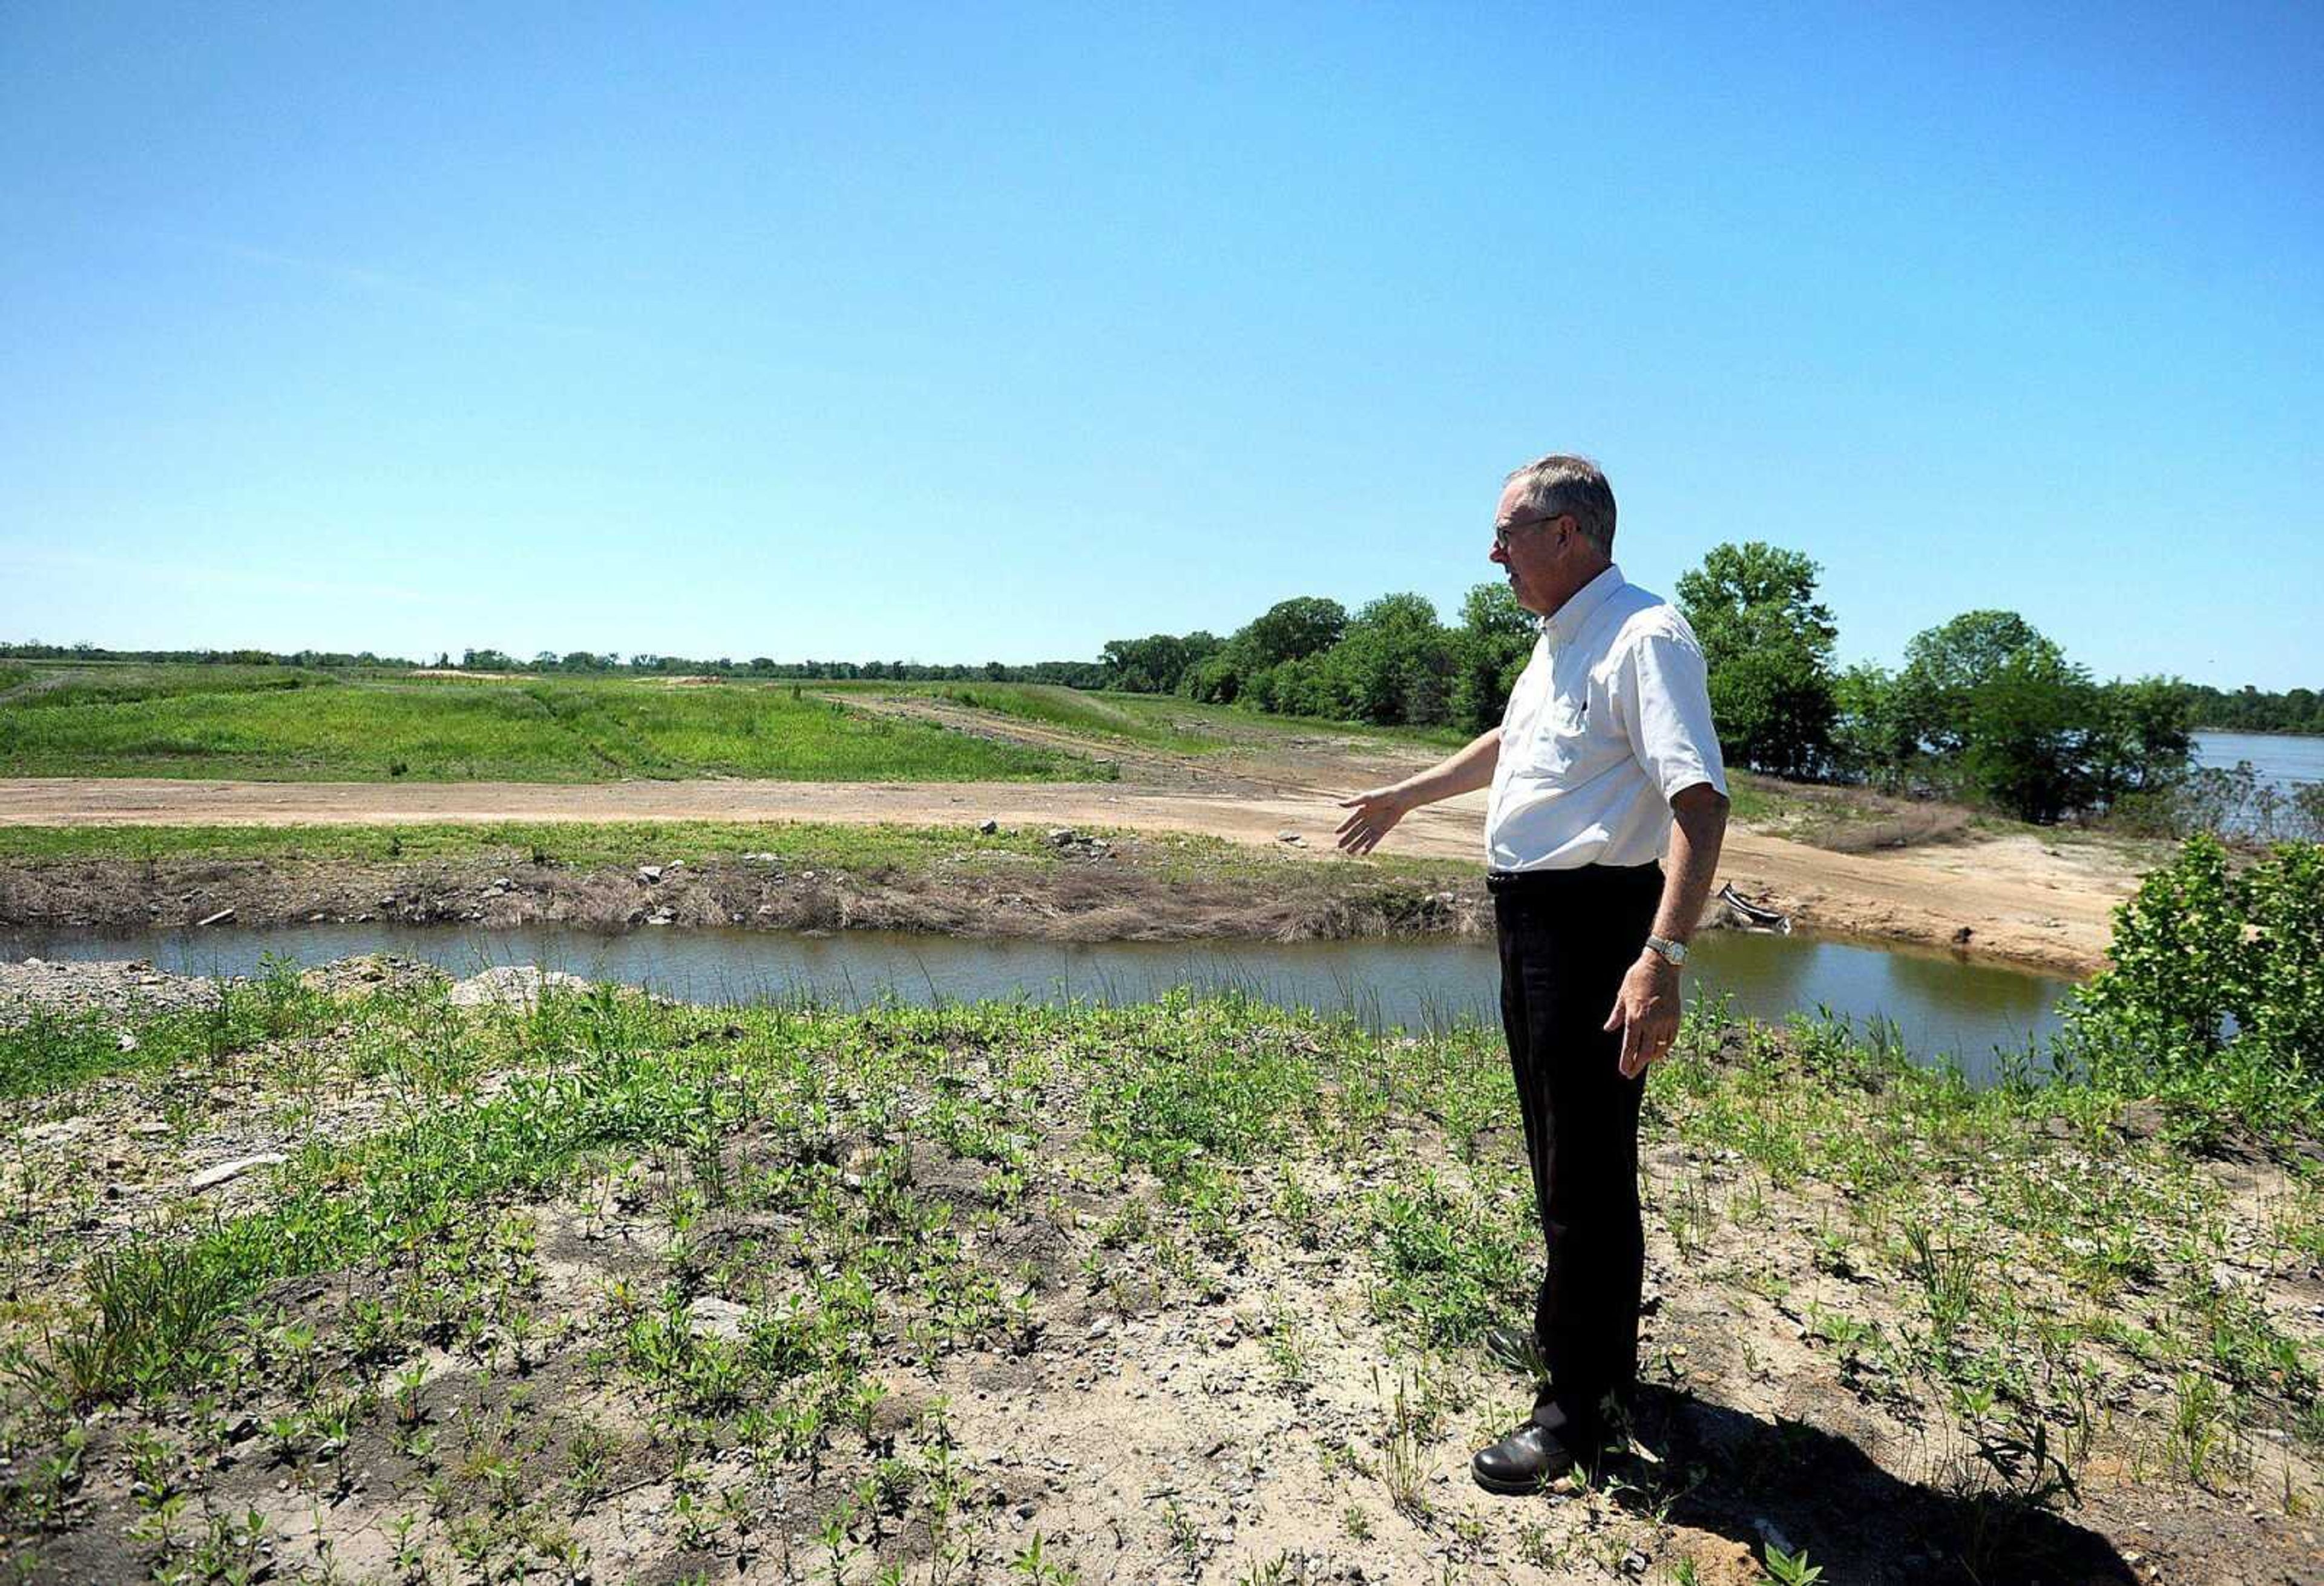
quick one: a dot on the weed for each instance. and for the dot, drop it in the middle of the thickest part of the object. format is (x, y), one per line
(1791, 1569)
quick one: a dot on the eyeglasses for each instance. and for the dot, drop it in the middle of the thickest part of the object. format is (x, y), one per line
(1501, 530)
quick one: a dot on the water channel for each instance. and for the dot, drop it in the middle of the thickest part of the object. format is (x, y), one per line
(1941, 1004)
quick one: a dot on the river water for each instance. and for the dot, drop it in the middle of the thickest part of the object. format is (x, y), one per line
(1943, 1005)
(2282, 760)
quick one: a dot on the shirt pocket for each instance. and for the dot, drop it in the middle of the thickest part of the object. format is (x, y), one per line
(1559, 736)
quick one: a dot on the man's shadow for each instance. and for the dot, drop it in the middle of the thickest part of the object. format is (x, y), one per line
(1727, 1472)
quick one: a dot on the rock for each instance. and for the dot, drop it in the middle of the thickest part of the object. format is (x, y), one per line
(1292, 838)
(515, 986)
(220, 918)
(502, 883)
(125, 1042)
(1634, 1562)
(710, 1317)
(1063, 837)
(659, 916)
(211, 1177)
(649, 875)
(988, 827)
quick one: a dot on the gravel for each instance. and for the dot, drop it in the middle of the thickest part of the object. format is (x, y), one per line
(117, 987)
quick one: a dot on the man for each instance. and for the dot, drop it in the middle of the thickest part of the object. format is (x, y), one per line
(1605, 753)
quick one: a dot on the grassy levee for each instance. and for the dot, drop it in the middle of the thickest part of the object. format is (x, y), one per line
(615, 1288)
(282, 725)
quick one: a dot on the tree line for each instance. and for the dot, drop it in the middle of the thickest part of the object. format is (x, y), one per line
(1070, 674)
(2253, 710)
(1984, 708)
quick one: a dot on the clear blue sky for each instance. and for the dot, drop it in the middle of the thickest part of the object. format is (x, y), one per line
(955, 333)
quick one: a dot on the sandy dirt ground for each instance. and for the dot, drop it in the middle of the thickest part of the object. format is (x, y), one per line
(2017, 897)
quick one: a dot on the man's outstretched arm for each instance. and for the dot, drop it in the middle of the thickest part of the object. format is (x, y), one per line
(1377, 811)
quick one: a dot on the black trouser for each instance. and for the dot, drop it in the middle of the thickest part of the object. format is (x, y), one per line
(1567, 938)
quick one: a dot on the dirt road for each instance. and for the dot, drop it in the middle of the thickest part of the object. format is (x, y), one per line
(2014, 898)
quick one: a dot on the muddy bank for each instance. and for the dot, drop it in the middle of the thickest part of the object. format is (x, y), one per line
(1107, 894)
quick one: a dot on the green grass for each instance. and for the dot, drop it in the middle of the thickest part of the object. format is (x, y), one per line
(43, 1052)
(277, 724)
(126, 683)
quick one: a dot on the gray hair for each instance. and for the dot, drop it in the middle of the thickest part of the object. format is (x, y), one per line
(1557, 485)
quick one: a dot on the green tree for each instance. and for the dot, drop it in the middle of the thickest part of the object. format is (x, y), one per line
(1292, 629)
(2002, 711)
(1288, 631)
(1767, 642)
(1155, 664)
(2142, 739)
(1489, 648)
(2026, 736)
(1872, 735)
(1394, 664)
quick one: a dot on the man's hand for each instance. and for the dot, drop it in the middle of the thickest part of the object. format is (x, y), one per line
(1645, 1010)
(1377, 812)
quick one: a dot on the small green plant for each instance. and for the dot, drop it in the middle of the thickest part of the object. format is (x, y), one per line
(1791, 1569)
(1404, 1462)
(1033, 1563)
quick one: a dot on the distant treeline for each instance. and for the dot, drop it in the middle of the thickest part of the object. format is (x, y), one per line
(1079, 674)
(2251, 710)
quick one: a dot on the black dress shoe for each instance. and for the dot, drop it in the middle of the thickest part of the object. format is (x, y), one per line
(1525, 1462)
(1515, 1349)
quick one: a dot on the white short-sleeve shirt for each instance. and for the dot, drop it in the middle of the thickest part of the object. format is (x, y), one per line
(1610, 717)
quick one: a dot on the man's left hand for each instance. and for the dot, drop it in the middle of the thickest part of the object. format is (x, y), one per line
(1645, 1010)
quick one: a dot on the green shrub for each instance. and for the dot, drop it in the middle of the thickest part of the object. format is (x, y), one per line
(2214, 998)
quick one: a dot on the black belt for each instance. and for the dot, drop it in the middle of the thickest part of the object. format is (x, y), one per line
(1585, 877)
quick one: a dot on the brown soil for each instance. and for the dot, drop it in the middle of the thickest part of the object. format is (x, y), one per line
(2015, 898)
(1086, 897)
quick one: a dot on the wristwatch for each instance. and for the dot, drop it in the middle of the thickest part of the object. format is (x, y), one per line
(1673, 952)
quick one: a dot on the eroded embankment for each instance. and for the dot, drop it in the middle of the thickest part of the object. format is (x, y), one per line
(2022, 898)
(1085, 893)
